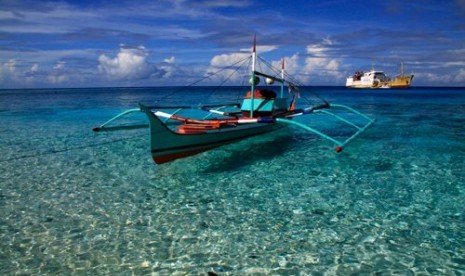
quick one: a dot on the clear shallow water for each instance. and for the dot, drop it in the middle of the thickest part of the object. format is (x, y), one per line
(76, 202)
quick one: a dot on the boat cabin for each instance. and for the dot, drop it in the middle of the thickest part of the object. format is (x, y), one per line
(264, 103)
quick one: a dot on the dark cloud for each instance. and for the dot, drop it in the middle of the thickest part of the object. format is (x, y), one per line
(461, 5)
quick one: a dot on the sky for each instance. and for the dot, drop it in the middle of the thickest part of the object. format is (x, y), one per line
(111, 43)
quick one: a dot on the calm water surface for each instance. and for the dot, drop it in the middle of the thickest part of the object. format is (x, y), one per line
(77, 202)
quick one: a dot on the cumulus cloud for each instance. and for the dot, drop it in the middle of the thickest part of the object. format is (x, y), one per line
(169, 60)
(223, 60)
(217, 72)
(434, 78)
(291, 64)
(129, 64)
(34, 68)
(460, 77)
(8, 67)
(166, 69)
(7, 70)
(14, 72)
(30, 74)
(291, 67)
(448, 76)
(319, 63)
(58, 74)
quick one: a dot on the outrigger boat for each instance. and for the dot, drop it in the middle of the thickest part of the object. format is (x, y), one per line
(174, 136)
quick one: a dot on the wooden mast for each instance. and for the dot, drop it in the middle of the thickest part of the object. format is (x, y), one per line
(252, 82)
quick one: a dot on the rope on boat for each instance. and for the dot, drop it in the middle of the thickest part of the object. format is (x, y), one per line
(209, 75)
(68, 149)
(242, 62)
(292, 81)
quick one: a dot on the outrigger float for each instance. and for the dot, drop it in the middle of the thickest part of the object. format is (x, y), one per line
(174, 136)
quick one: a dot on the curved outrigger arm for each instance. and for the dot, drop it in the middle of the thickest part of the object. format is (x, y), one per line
(103, 126)
(339, 144)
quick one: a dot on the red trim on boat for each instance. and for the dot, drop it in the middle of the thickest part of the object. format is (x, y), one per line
(261, 94)
(195, 128)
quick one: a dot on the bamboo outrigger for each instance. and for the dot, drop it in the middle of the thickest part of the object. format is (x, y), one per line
(174, 136)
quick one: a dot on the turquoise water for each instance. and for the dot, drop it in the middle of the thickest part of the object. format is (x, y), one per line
(77, 202)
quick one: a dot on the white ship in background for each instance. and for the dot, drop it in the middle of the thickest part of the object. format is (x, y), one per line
(378, 79)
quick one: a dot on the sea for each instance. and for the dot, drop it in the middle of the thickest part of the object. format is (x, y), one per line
(77, 202)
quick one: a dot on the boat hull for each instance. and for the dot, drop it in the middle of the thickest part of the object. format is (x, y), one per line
(401, 82)
(168, 145)
(363, 86)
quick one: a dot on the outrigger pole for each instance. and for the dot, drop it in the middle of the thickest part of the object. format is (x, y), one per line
(340, 144)
(103, 127)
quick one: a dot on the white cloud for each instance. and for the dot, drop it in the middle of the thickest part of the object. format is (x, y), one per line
(460, 77)
(13, 72)
(7, 70)
(223, 60)
(291, 67)
(11, 66)
(56, 79)
(58, 75)
(34, 68)
(166, 69)
(434, 78)
(31, 73)
(170, 60)
(316, 50)
(59, 66)
(129, 64)
(217, 70)
(321, 65)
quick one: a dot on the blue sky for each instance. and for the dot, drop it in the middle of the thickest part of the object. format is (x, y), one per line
(94, 43)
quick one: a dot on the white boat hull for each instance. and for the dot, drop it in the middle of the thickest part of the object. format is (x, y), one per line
(372, 79)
